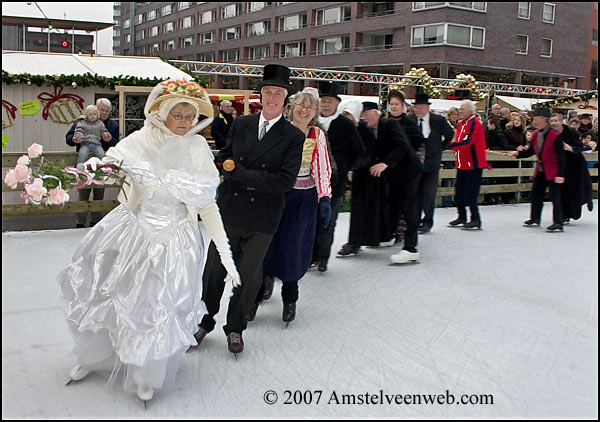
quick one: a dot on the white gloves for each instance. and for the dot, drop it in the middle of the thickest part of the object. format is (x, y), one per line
(212, 220)
(92, 162)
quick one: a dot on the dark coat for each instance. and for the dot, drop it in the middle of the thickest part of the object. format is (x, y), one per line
(577, 189)
(515, 138)
(439, 139)
(347, 148)
(393, 148)
(496, 140)
(220, 129)
(111, 125)
(252, 196)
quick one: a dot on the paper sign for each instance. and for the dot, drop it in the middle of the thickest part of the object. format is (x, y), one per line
(4, 140)
(29, 108)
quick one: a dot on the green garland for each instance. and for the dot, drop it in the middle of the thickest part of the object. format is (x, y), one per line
(567, 100)
(75, 81)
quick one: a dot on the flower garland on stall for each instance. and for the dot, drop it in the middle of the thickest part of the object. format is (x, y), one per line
(567, 100)
(48, 184)
(424, 80)
(468, 81)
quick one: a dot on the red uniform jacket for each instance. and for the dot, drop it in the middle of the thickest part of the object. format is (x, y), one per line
(548, 158)
(470, 145)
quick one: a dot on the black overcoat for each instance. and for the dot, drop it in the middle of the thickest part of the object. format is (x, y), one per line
(438, 140)
(252, 196)
(577, 189)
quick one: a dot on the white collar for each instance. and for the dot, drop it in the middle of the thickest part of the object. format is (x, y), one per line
(262, 119)
(326, 121)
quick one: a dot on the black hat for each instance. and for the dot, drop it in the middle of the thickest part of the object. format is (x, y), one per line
(329, 89)
(422, 99)
(585, 116)
(277, 75)
(395, 93)
(542, 111)
(370, 105)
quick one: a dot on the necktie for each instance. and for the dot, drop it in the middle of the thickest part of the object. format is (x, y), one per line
(421, 126)
(263, 130)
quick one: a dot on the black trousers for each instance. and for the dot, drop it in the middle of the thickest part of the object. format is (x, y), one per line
(467, 187)
(427, 190)
(405, 196)
(249, 250)
(538, 191)
(324, 239)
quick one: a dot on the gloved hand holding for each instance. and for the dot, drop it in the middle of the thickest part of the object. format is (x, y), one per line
(92, 163)
(325, 210)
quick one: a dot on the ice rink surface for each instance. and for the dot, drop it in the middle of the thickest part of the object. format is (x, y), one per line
(508, 314)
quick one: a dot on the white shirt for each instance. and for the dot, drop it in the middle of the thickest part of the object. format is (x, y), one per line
(272, 122)
(426, 126)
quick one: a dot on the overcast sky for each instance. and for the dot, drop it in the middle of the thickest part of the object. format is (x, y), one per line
(82, 11)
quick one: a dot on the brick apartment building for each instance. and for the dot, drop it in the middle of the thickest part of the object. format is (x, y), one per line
(514, 42)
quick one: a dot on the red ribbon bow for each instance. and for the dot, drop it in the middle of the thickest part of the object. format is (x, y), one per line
(587, 106)
(10, 108)
(46, 96)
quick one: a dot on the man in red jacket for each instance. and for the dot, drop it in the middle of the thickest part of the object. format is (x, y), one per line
(549, 171)
(469, 145)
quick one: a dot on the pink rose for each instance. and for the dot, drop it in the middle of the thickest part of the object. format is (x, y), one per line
(11, 179)
(35, 150)
(57, 196)
(23, 159)
(22, 172)
(36, 190)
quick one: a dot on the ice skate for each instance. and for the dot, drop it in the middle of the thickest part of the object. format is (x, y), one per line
(78, 373)
(145, 393)
(404, 257)
(289, 313)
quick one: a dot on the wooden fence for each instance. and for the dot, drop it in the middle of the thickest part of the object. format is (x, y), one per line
(520, 172)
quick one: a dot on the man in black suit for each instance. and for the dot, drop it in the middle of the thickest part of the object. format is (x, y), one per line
(221, 124)
(438, 134)
(394, 163)
(260, 164)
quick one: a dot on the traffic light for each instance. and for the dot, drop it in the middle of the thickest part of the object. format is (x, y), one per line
(65, 43)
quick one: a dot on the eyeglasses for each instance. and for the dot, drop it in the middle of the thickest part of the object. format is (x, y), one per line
(306, 106)
(179, 116)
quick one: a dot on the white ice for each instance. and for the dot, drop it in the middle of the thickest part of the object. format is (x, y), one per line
(508, 311)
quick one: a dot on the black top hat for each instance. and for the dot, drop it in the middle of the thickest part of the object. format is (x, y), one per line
(585, 116)
(370, 105)
(329, 89)
(542, 111)
(277, 75)
(394, 93)
(422, 99)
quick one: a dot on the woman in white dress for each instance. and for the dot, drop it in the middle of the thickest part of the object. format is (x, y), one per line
(134, 286)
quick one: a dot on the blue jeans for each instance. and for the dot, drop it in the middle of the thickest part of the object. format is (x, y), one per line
(89, 149)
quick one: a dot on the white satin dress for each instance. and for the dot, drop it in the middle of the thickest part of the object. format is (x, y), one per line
(134, 286)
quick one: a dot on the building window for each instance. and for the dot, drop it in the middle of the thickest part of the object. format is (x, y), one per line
(333, 15)
(230, 56)
(427, 35)
(289, 23)
(421, 5)
(595, 37)
(127, 23)
(548, 13)
(259, 28)
(292, 49)
(232, 33)
(116, 12)
(116, 43)
(154, 31)
(168, 27)
(127, 38)
(465, 36)
(116, 32)
(151, 15)
(207, 38)
(155, 48)
(522, 44)
(207, 17)
(139, 19)
(260, 52)
(524, 10)
(182, 5)
(231, 10)
(546, 47)
(206, 57)
(333, 45)
(139, 35)
(186, 22)
(167, 10)
(283, 3)
(255, 6)
(170, 45)
(187, 42)
(594, 75)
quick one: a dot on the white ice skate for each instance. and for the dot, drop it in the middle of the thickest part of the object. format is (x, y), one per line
(78, 373)
(145, 393)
